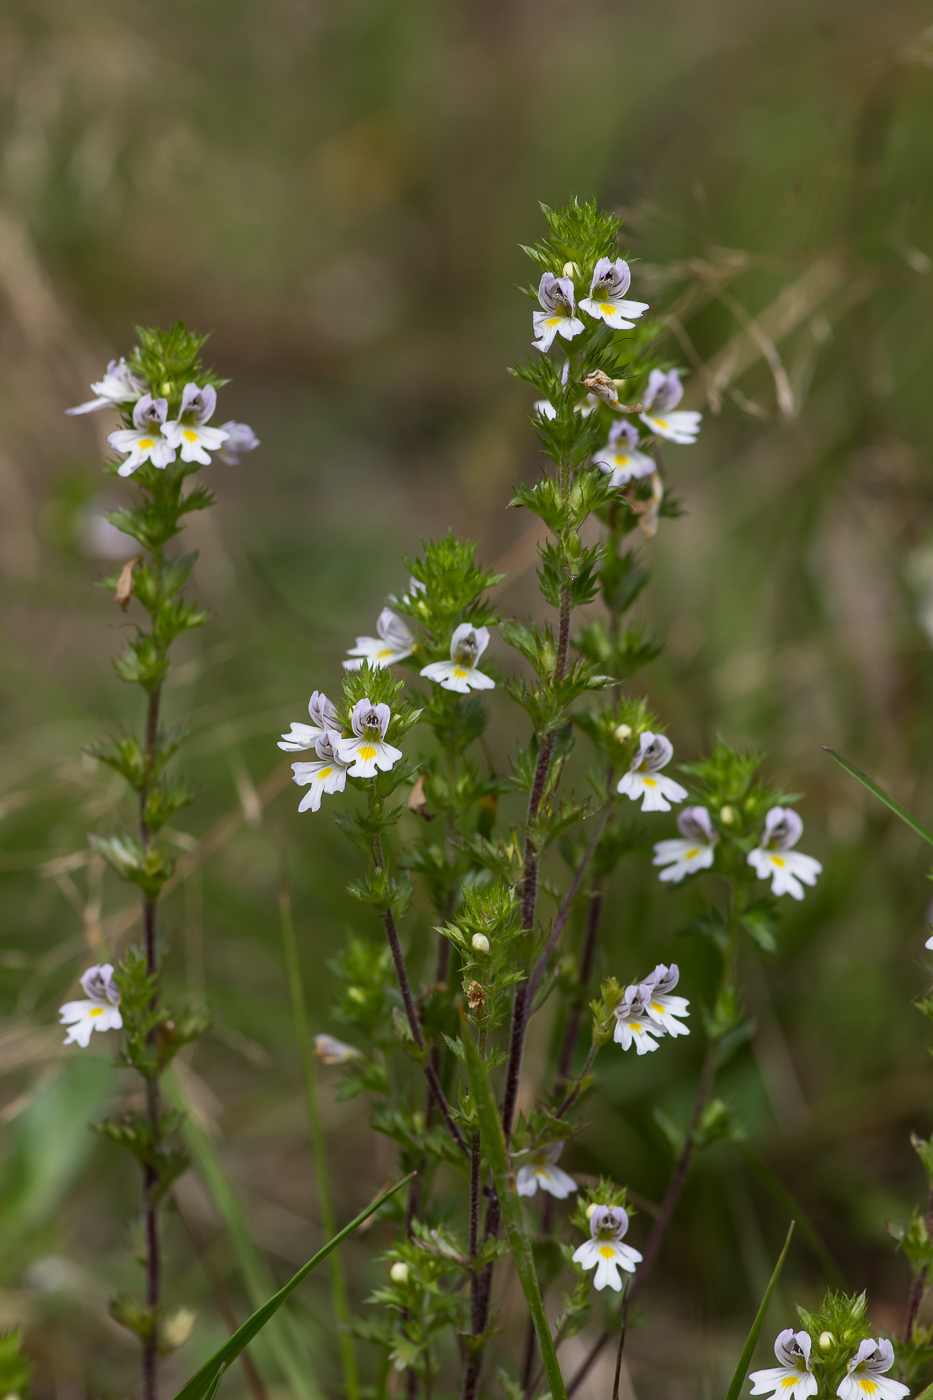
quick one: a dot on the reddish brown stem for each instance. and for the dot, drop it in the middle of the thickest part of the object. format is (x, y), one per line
(414, 1026)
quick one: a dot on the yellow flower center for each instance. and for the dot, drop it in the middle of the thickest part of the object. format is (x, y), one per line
(868, 1386)
(325, 773)
(96, 1011)
(788, 1381)
(144, 444)
(553, 321)
(691, 854)
(661, 422)
(386, 651)
(621, 461)
(651, 782)
(607, 1252)
(656, 1006)
(187, 433)
(460, 673)
(778, 860)
(366, 751)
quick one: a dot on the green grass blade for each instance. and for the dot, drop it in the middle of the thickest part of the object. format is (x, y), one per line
(338, 1287)
(511, 1206)
(745, 1360)
(882, 796)
(283, 1342)
(204, 1383)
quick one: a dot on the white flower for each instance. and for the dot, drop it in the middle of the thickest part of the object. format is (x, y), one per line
(620, 459)
(394, 643)
(664, 393)
(555, 294)
(326, 773)
(100, 1011)
(695, 851)
(188, 432)
(541, 1171)
(644, 778)
(864, 1379)
(119, 385)
(332, 1051)
(240, 440)
(604, 1252)
(774, 858)
(305, 736)
(660, 1006)
(794, 1376)
(144, 441)
(367, 750)
(634, 1026)
(459, 673)
(611, 280)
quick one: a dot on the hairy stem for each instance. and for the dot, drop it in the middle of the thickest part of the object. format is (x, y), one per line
(151, 1176)
(587, 957)
(414, 1025)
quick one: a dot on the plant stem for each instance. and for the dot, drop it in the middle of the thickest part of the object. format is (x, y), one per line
(587, 958)
(151, 1175)
(622, 1329)
(328, 1219)
(570, 896)
(414, 1026)
(521, 1001)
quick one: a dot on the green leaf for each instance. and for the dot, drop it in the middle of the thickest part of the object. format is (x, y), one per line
(745, 1360)
(882, 796)
(511, 1206)
(204, 1383)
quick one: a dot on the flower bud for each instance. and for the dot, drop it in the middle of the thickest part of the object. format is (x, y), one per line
(590, 1209)
(399, 1272)
(827, 1341)
(622, 732)
(176, 1329)
(570, 269)
(727, 815)
(479, 943)
(356, 994)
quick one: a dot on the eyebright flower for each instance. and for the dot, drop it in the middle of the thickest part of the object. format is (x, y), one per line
(332, 1051)
(367, 750)
(694, 850)
(620, 458)
(541, 1171)
(240, 440)
(119, 385)
(644, 778)
(188, 433)
(864, 1379)
(660, 1005)
(459, 673)
(793, 1377)
(144, 441)
(305, 736)
(634, 1025)
(604, 1252)
(775, 859)
(664, 393)
(100, 1011)
(611, 280)
(555, 294)
(394, 643)
(326, 773)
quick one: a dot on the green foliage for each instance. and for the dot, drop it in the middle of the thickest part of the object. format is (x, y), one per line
(15, 1370)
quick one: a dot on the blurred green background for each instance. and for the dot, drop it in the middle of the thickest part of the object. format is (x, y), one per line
(339, 191)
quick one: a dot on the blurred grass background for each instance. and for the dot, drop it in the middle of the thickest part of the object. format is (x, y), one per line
(339, 191)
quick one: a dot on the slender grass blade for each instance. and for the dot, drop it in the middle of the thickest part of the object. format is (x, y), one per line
(204, 1383)
(882, 796)
(745, 1360)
